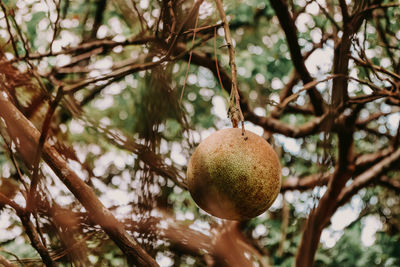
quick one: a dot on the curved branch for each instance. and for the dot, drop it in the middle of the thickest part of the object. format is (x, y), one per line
(313, 126)
(6, 263)
(288, 26)
(367, 177)
(391, 183)
(305, 183)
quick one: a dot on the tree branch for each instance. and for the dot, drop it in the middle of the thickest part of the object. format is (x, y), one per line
(288, 26)
(367, 177)
(26, 137)
(6, 263)
(391, 183)
(319, 216)
(363, 63)
(305, 183)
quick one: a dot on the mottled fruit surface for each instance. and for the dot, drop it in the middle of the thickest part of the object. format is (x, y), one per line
(234, 176)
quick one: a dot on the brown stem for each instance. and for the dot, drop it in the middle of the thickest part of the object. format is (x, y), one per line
(234, 107)
(6, 263)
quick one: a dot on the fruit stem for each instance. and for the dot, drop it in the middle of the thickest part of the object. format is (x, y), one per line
(234, 112)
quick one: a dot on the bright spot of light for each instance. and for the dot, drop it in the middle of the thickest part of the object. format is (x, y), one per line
(115, 25)
(104, 103)
(254, 128)
(206, 10)
(201, 226)
(62, 60)
(260, 111)
(316, 35)
(219, 107)
(289, 144)
(304, 21)
(176, 154)
(144, 4)
(192, 79)
(4, 220)
(320, 61)
(366, 90)
(118, 196)
(277, 203)
(104, 63)
(76, 127)
(163, 260)
(393, 121)
(102, 32)
(260, 230)
(276, 84)
(343, 217)
(274, 98)
(329, 237)
(371, 225)
(312, 8)
(260, 79)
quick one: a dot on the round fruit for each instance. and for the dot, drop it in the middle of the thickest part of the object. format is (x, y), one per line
(234, 176)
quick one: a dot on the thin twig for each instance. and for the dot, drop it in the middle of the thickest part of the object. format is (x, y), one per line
(204, 28)
(35, 240)
(388, 5)
(6, 263)
(14, 161)
(374, 67)
(56, 24)
(39, 230)
(4, 200)
(87, 46)
(190, 15)
(42, 139)
(216, 58)
(190, 59)
(305, 88)
(141, 19)
(21, 36)
(3, 7)
(173, 20)
(329, 17)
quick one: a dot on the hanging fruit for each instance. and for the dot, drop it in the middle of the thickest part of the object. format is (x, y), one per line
(234, 176)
